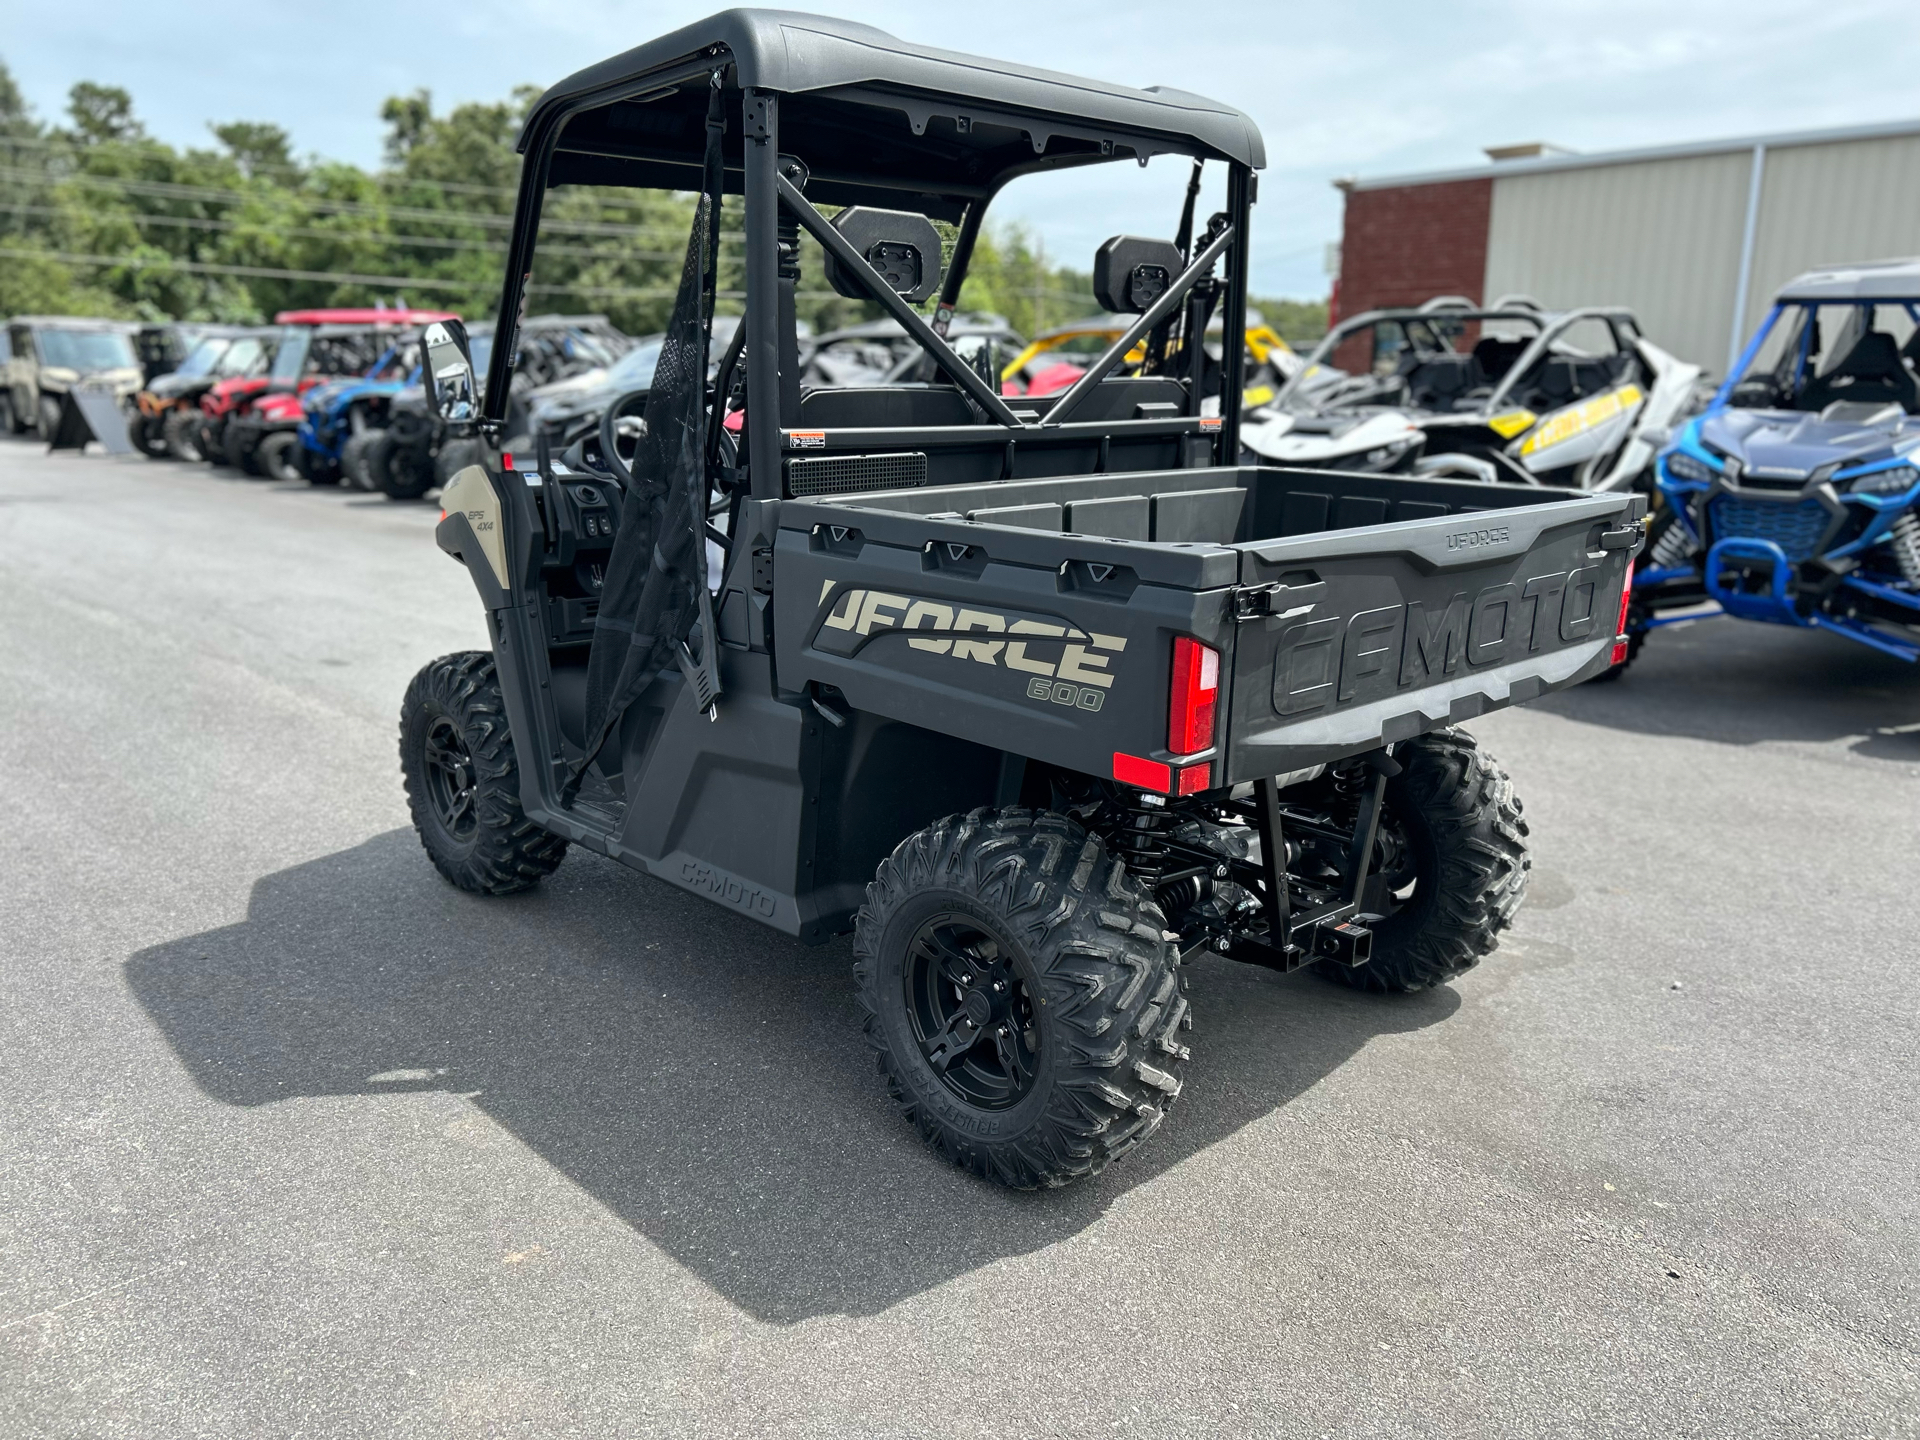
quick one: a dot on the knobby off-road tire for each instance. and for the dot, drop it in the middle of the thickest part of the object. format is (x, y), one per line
(463, 783)
(1453, 827)
(403, 467)
(243, 449)
(146, 437)
(279, 456)
(1079, 1055)
(10, 419)
(182, 432)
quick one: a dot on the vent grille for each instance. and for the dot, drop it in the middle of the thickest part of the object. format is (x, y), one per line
(850, 474)
(1796, 529)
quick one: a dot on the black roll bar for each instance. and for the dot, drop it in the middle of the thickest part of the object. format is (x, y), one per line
(818, 226)
(1070, 399)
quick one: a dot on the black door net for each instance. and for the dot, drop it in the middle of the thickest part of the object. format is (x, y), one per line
(656, 577)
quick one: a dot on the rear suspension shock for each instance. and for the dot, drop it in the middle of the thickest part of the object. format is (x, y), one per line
(1142, 824)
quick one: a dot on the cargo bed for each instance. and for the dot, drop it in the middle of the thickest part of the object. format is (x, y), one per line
(1038, 616)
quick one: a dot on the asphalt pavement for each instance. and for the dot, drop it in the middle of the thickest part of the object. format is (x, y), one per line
(295, 1139)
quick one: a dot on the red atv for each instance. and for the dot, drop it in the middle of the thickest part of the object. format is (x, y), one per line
(315, 345)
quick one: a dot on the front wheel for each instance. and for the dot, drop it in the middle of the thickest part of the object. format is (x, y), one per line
(1452, 860)
(1020, 995)
(10, 418)
(463, 782)
(49, 418)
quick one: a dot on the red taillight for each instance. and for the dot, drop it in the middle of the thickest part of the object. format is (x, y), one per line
(506, 459)
(1620, 626)
(1194, 779)
(1196, 688)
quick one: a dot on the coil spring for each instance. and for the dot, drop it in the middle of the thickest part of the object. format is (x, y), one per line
(1141, 838)
(1670, 549)
(1906, 546)
(1349, 783)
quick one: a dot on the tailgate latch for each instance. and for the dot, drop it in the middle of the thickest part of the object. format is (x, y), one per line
(1624, 537)
(1259, 602)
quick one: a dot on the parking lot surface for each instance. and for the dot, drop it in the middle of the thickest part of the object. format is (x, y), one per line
(295, 1139)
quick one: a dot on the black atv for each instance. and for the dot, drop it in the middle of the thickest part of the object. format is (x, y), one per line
(1038, 698)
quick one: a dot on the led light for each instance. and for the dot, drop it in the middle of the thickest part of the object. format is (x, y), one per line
(1682, 466)
(1620, 625)
(1146, 774)
(1194, 779)
(1886, 482)
(1196, 690)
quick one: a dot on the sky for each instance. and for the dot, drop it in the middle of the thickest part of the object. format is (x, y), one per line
(1342, 89)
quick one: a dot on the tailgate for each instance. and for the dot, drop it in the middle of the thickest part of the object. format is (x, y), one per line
(1353, 638)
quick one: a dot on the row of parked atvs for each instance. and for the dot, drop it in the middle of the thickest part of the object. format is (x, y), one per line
(335, 396)
(1790, 494)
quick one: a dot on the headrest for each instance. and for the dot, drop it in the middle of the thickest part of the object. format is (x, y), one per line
(1130, 273)
(903, 246)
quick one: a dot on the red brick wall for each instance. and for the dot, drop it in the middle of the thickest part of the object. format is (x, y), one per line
(1409, 243)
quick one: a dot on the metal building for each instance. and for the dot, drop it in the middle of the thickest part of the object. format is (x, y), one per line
(1695, 238)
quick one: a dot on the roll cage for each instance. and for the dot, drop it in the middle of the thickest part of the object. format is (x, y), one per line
(822, 112)
(1437, 317)
(1864, 288)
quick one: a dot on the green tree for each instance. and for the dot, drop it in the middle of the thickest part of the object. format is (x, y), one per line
(102, 113)
(257, 147)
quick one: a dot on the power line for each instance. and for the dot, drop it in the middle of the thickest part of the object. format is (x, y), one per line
(434, 242)
(170, 190)
(268, 272)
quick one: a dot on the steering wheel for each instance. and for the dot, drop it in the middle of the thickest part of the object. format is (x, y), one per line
(621, 428)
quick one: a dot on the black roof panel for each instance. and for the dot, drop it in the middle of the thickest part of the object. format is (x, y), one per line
(796, 53)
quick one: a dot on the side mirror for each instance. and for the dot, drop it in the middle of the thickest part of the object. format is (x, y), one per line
(449, 372)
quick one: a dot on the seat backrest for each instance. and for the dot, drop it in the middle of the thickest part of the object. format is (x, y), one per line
(878, 407)
(1443, 379)
(1496, 356)
(1872, 370)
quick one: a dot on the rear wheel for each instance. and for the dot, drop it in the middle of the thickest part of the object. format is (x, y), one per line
(463, 781)
(278, 456)
(182, 433)
(1020, 995)
(1452, 852)
(243, 448)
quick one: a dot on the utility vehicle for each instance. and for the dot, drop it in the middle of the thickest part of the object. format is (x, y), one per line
(1795, 499)
(239, 414)
(1038, 698)
(51, 354)
(1505, 392)
(165, 421)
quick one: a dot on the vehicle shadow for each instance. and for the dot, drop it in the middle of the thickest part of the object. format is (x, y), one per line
(1744, 683)
(702, 1077)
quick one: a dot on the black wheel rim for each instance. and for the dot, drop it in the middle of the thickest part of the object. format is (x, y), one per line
(451, 778)
(971, 1003)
